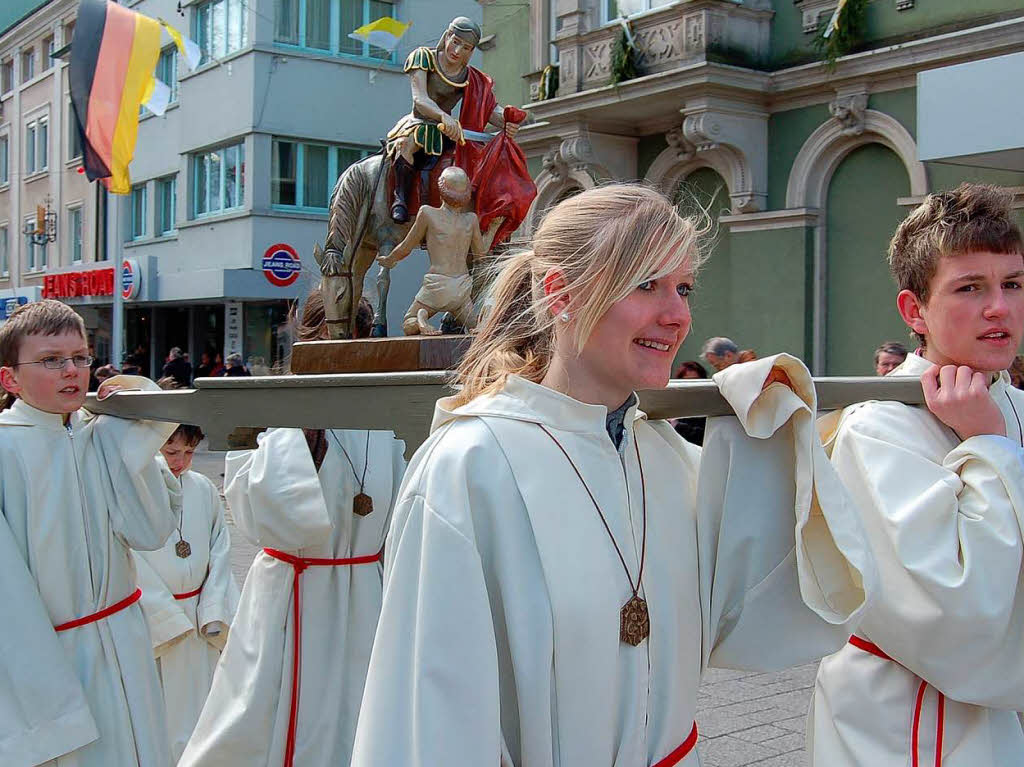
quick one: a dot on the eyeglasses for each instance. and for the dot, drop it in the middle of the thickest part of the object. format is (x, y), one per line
(57, 363)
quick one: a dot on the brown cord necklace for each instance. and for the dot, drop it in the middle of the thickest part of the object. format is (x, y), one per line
(634, 619)
(362, 504)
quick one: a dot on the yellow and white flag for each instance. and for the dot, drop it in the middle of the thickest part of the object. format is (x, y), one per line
(833, 23)
(156, 96)
(384, 33)
(188, 49)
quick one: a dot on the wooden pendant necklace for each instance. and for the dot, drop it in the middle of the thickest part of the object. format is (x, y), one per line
(362, 504)
(634, 619)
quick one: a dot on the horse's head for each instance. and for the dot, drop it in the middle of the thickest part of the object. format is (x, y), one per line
(336, 289)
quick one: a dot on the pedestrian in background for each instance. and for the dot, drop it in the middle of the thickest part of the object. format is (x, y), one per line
(720, 352)
(178, 367)
(235, 366)
(889, 356)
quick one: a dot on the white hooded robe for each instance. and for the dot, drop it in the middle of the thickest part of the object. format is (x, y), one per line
(945, 521)
(278, 500)
(189, 632)
(75, 500)
(499, 632)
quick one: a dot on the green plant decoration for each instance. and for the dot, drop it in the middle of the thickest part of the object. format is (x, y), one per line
(624, 60)
(847, 34)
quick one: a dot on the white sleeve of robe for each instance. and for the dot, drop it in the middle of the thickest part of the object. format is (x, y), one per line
(947, 534)
(274, 492)
(43, 710)
(785, 568)
(137, 497)
(165, 616)
(218, 600)
(435, 596)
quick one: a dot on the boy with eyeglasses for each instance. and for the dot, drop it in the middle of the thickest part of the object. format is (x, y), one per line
(935, 673)
(78, 683)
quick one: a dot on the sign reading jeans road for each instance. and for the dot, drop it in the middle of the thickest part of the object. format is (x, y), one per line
(281, 265)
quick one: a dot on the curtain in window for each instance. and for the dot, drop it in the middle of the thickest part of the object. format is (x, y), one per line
(318, 24)
(286, 21)
(314, 183)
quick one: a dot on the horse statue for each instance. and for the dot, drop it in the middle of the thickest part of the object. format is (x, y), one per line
(359, 228)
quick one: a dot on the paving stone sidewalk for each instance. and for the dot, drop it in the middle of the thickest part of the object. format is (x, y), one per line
(744, 718)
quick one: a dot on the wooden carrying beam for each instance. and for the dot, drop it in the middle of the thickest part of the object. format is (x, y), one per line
(404, 402)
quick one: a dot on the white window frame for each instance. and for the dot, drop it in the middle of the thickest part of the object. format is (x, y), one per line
(8, 62)
(198, 158)
(75, 233)
(37, 149)
(28, 55)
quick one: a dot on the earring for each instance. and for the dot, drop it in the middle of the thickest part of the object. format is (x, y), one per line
(564, 316)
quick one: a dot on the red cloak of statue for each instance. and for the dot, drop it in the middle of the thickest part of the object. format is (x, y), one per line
(501, 180)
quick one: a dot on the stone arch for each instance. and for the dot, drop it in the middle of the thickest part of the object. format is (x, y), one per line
(830, 144)
(670, 168)
(851, 126)
(551, 189)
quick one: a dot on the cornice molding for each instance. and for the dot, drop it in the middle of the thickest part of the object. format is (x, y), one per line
(792, 218)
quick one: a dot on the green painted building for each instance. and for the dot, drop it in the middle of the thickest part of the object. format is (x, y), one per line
(806, 169)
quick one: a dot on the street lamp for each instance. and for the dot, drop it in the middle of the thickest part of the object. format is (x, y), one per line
(45, 228)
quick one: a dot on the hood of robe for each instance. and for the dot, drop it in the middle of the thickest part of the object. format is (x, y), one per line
(20, 413)
(524, 400)
(914, 365)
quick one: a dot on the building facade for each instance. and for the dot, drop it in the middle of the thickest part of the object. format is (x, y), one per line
(805, 169)
(230, 185)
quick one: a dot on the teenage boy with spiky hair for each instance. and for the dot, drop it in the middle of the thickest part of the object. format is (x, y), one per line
(78, 683)
(935, 673)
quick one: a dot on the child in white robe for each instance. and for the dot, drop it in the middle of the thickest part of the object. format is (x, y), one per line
(189, 594)
(77, 492)
(936, 671)
(559, 570)
(290, 680)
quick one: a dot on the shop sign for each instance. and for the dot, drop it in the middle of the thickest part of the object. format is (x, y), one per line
(97, 282)
(131, 279)
(281, 265)
(232, 328)
(8, 305)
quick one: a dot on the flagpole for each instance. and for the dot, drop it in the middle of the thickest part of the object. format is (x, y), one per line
(115, 243)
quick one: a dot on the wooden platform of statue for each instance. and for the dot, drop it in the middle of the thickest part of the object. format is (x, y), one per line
(379, 355)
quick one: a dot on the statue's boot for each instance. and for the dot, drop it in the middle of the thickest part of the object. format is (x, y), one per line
(404, 173)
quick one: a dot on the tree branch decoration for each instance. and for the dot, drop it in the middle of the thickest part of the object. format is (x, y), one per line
(843, 32)
(624, 65)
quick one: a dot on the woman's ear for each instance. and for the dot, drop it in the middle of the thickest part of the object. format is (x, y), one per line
(554, 290)
(911, 309)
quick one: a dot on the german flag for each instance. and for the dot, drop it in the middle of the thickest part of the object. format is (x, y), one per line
(113, 56)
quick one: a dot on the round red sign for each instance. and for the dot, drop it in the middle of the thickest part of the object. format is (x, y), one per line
(281, 265)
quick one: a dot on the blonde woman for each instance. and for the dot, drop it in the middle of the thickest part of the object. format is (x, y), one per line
(560, 571)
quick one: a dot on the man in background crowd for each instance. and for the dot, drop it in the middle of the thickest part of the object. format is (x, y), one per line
(889, 356)
(720, 352)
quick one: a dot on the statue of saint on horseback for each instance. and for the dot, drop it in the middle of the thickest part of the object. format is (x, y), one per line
(369, 219)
